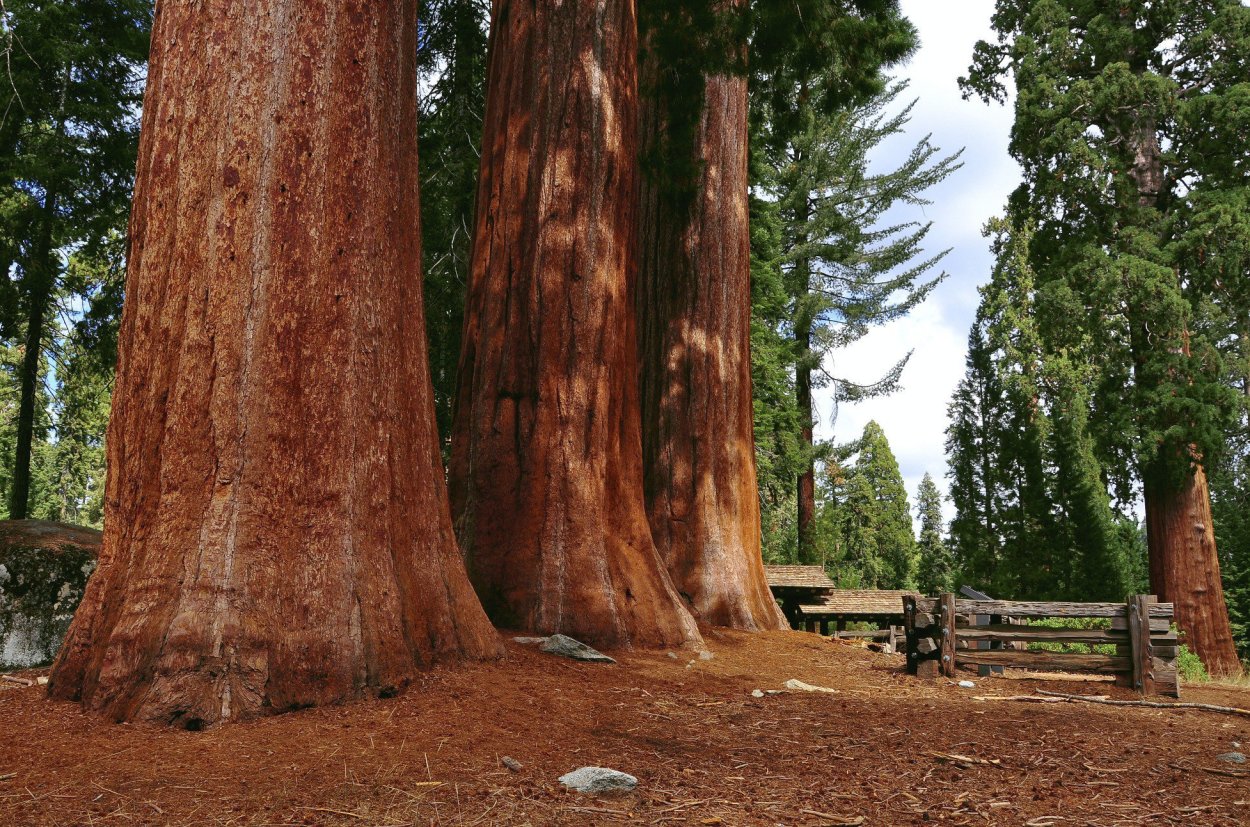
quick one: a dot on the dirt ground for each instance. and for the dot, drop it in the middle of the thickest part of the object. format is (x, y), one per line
(876, 752)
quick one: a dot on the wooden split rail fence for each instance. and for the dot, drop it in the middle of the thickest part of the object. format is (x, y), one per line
(942, 634)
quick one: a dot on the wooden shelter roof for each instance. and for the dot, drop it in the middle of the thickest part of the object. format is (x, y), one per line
(797, 577)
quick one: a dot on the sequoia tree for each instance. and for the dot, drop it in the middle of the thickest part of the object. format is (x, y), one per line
(277, 532)
(546, 468)
(693, 300)
(1118, 111)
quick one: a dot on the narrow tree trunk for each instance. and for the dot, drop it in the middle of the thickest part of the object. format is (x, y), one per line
(694, 309)
(277, 533)
(807, 424)
(38, 283)
(28, 377)
(546, 468)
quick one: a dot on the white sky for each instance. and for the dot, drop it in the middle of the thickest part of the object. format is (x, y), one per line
(914, 418)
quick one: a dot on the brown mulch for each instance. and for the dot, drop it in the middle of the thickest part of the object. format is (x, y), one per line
(886, 749)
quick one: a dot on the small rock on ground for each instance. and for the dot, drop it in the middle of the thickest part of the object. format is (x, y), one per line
(511, 763)
(567, 647)
(530, 640)
(794, 683)
(598, 780)
(1232, 757)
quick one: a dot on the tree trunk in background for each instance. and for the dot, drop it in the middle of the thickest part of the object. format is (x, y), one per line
(1185, 569)
(693, 300)
(546, 468)
(19, 493)
(277, 533)
(807, 479)
(40, 276)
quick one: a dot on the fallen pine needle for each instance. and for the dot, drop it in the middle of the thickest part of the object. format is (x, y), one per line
(336, 812)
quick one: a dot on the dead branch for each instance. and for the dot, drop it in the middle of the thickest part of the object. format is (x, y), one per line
(1101, 699)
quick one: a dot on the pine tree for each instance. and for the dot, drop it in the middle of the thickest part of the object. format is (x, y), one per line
(936, 569)
(69, 132)
(1115, 113)
(843, 269)
(869, 516)
(1033, 516)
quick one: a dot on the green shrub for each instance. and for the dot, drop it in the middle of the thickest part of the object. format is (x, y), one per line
(1189, 666)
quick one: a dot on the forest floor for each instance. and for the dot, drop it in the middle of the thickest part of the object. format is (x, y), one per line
(882, 750)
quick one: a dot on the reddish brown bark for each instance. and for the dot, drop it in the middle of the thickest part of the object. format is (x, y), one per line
(1185, 569)
(693, 300)
(545, 468)
(277, 533)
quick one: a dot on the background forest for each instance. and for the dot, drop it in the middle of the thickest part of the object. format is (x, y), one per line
(1078, 369)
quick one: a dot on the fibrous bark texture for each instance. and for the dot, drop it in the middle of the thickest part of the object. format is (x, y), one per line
(1185, 569)
(693, 300)
(277, 532)
(546, 470)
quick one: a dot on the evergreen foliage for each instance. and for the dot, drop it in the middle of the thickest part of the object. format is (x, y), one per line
(1033, 516)
(866, 517)
(451, 58)
(841, 267)
(1117, 111)
(68, 138)
(936, 568)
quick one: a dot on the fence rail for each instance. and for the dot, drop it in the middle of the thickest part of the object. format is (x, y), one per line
(942, 634)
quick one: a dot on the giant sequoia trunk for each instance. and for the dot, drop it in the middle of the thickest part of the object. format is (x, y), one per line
(546, 465)
(694, 310)
(277, 532)
(1184, 566)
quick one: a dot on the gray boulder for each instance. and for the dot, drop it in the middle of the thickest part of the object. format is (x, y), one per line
(599, 780)
(1232, 757)
(567, 647)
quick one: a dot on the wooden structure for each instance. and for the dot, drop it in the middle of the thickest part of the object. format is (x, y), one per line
(941, 633)
(811, 601)
(883, 607)
(794, 586)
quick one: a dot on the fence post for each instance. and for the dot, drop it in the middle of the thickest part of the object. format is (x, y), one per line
(1139, 643)
(909, 632)
(947, 623)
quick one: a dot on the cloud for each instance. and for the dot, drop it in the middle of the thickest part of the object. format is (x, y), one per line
(915, 418)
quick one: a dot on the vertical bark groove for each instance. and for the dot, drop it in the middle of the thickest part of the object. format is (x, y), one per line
(693, 300)
(545, 472)
(277, 528)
